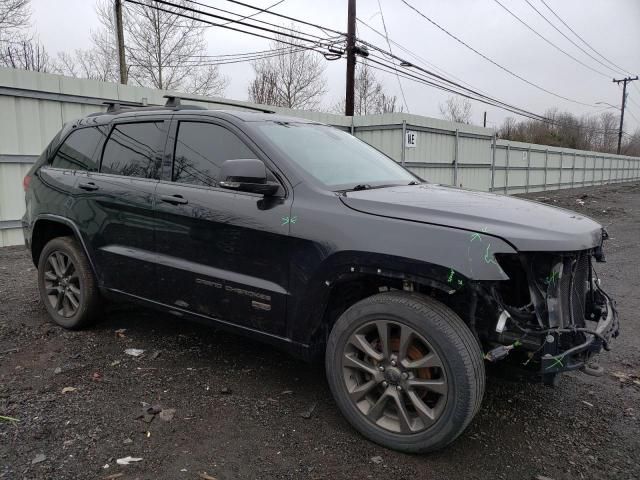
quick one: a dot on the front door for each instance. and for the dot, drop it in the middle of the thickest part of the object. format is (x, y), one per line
(221, 253)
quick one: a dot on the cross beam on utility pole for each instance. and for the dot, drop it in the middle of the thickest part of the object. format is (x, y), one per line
(120, 38)
(351, 59)
(624, 101)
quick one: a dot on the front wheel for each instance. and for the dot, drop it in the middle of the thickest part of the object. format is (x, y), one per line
(405, 371)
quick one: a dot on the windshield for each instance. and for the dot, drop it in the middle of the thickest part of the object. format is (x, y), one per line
(338, 160)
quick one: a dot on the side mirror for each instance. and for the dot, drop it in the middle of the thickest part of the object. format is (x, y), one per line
(247, 175)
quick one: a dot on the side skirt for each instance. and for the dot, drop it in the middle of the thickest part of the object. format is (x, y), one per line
(298, 350)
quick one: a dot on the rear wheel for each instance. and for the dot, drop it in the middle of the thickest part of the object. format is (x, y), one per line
(405, 371)
(67, 285)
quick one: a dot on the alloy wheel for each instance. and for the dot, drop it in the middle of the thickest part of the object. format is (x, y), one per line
(394, 377)
(62, 284)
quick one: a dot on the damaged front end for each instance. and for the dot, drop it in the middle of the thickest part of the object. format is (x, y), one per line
(551, 315)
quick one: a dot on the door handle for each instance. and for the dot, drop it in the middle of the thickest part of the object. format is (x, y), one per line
(89, 186)
(174, 199)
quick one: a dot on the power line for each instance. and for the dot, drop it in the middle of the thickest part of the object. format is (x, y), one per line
(236, 2)
(419, 58)
(517, 110)
(191, 17)
(583, 40)
(199, 63)
(565, 36)
(258, 13)
(549, 41)
(457, 39)
(386, 35)
(389, 68)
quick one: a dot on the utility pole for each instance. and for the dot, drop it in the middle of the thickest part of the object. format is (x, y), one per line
(120, 36)
(351, 59)
(484, 121)
(624, 101)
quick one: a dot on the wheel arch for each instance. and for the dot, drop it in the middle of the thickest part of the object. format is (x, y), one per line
(49, 226)
(347, 278)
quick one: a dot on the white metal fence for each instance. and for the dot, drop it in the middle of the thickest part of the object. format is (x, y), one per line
(34, 106)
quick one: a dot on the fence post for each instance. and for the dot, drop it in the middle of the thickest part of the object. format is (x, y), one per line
(602, 172)
(404, 140)
(455, 161)
(610, 169)
(546, 162)
(560, 176)
(526, 185)
(584, 171)
(493, 161)
(573, 170)
(506, 170)
(593, 174)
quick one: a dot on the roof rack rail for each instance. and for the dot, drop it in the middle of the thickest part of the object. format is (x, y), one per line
(116, 105)
(173, 101)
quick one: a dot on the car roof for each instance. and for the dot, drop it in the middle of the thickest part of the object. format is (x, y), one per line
(102, 118)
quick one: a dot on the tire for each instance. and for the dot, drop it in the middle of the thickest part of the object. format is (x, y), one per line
(439, 400)
(65, 276)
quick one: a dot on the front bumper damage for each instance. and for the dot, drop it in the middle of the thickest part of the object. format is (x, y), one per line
(554, 360)
(552, 315)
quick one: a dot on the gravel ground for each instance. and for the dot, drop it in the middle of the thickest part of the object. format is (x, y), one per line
(233, 408)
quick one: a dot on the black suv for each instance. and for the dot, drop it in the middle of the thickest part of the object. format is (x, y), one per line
(303, 236)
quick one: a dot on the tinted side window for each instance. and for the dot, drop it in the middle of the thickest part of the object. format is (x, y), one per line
(201, 148)
(77, 151)
(134, 150)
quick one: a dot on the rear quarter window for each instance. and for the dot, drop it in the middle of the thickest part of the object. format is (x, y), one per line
(78, 150)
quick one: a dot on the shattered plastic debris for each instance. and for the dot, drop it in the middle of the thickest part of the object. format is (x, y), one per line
(68, 389)
(307, 413)
(41, 457)
(627, 378)
(127, 460)
(377, 459)
(120, 332)
(134, 352)
(167, 414)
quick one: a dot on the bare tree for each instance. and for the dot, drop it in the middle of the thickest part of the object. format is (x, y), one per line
(563, 129)
(91, 64)
(456, 109)
(163, 50)
(14, 15)
(25, 53)
(369, 95)
(263, 88)
(609, 126)
(292, 79)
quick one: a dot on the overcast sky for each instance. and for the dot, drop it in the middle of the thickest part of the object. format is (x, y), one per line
(610, 26)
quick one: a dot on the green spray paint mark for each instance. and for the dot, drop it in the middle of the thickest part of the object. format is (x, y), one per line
(551, 279)
(289, 220)
(475, 235)
(450, 279)
(459, 282)
(557, 361)
(488, 256)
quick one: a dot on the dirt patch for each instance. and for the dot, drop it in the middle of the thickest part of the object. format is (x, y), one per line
(234, 408)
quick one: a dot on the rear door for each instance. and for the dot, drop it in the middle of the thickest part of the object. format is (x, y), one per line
(223, 254)
(116, 208)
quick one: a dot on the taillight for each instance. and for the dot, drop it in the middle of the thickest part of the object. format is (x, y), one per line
(26, 181)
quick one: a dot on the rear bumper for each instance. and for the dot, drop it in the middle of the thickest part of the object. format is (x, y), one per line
(595, 340)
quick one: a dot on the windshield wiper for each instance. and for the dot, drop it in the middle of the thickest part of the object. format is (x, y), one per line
(413, 183)
(361, 186)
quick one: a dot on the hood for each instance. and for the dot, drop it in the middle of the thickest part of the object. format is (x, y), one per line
(528, 226)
